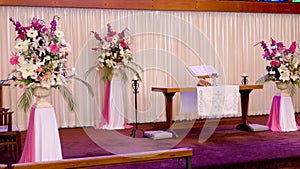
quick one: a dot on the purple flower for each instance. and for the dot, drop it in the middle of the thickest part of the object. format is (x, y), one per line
(280, 45)
(97, 36)
(110, 32)
(122, 34)
(108, 38)
(53, 25)
(35, 23)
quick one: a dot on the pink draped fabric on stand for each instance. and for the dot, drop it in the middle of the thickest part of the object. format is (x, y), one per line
(113, 116)
(42, 139)
(28, 154)
(106, 108)
(282, 115)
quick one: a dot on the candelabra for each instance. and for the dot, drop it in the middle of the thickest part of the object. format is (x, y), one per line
(244, 79)
(135, 86)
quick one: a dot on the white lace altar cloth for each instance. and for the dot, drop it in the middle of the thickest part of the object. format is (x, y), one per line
(212, 101)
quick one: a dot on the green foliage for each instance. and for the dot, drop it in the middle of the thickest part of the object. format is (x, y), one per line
(67, 95)
(25, 100)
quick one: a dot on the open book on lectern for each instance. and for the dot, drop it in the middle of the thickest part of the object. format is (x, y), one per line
(203, 71)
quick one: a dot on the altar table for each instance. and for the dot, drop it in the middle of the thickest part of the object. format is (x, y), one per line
(42, 140)
(282, 115)
(169, 92)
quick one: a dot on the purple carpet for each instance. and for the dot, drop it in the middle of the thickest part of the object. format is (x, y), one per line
(225, 148)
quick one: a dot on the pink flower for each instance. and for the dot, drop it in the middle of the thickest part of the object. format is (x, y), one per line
(54, 48)
(14, 60)
(40, 69)
(21, 85)
(293, 47)
(123, 44)
(274, 63)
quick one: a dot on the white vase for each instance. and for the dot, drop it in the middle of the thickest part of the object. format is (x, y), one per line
(41, 93)
(283, 87)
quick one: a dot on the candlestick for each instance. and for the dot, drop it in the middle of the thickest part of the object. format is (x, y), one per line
(244, 79)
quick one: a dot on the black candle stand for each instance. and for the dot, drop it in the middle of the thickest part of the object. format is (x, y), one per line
(245, 79)
(135, 86)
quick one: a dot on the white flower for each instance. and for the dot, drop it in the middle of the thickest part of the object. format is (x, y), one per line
(63, 60)
(121, 52)
(51, 80)
(34, 76)
(66, 49)
(59, 34)
(109, 63)
(278, 54)
(284, 76)
(125, 61)
(22, 46)
(105, 45)
(42, 50)
(101, 65)
(27, 69)
(283, 68)
(47, 58)
(115, 55)
(115, 39)
(36, 43)
(295, 77)
(54, 63)
(60, 80)
(273, 47)
(101, 60)
(39, 64)
(128, 52)
(32, 33)
(21, 59)
(296, 64)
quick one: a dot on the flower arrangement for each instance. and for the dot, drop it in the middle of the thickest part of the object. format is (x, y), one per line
(114, 53)
(283, 65)
(40, 59)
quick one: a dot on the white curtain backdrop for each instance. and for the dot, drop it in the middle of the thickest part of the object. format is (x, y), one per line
(163, 43)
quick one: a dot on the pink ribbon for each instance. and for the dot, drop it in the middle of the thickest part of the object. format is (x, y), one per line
(106, 108)
(28, 154)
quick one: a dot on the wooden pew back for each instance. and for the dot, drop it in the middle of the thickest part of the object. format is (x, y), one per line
(110, 160)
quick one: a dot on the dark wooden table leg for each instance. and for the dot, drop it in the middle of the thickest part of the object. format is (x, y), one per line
(1, 102)
(245, 105)
(188, 161)
(169, 108)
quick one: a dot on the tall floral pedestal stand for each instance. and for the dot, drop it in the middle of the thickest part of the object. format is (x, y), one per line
(282, 114)
(42, 139)
(113, 114)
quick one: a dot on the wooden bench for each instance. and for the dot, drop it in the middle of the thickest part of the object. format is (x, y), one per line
(109, 160)
(3, 166)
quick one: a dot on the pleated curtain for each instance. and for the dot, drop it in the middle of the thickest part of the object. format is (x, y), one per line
(164, 43)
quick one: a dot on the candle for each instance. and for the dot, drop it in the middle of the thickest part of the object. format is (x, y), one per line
(244, 75)
(135, 77)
